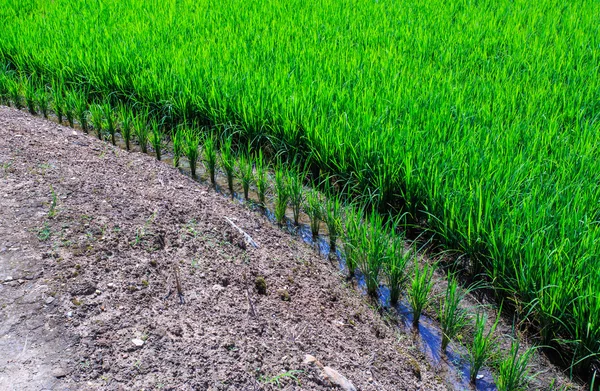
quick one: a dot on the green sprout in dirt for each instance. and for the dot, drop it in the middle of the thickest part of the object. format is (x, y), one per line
(333, 219)
(4, 87)
(191, 148)
(70, 107)
(228, 162)
(372, 251)
(52, 212)
(282, 196)
(210, 157)
(244, 172)
(81, 110)
(453, 318)
(277, 379)
(395, 267)
(156, 138)
(30, 87)
(97, 117)
(296, 193)
(314, 209)
(260, 178)
(126, 117)
(140, 129)
(513, 374)
(484, 345)
(43, 101)
(177, 137)
(420, 288)
(110, 121)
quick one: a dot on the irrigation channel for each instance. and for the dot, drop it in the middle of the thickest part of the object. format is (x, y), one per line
(453, 362)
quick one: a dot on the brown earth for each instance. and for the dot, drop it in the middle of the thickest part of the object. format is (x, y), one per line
(80, 285)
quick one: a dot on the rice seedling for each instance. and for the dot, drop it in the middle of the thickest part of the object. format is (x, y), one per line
(372, 251)
(81, 109)
(191, 148)
(58, 100)
(313, 206)
(296, 193)
(43, 100)
(210, 157)
(282, 195)
(141, 130)
(483, 347)
(245, 173)
(352, 236)
(228, 163)
(177, 138)
(395, 267)
(513, 373)
(97, 118)
(109, 121)
(4, 87)
(30, 90)
(261, 178)
(70, 106)
(156, 138)
(15, 94)
(420, 287)
(453, 318)
(126, 118)
(332, 215)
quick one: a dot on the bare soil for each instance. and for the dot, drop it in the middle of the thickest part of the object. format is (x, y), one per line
(89, 295)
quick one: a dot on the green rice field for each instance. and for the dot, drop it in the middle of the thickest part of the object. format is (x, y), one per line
(479, 120)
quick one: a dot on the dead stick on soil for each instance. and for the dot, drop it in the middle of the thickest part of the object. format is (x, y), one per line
(250, 305)
(179, 290)
(248, 238)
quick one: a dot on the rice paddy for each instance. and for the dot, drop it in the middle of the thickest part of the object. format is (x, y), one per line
(477, 121)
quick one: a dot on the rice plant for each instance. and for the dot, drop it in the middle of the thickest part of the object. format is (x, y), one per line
(245, 173)
(228, 163)
(296, 193)
(453, 318)
(513, 373)
(332, 215)
(15, 94)
(313, 206)
(81, 110)
(156, 138)
(372, 251)
(4, 87)
(109, 118)
(30, 88)
(420, 288)
(97, 118)
(126, 117)
(190, 139)
(352, 239)
(483, 347)
(58, 101)
(177, 137)
(395, 267)
(43, 100)
(70, 106)
(209, 153)
(282, 195)
(261, 178)
(142, 131)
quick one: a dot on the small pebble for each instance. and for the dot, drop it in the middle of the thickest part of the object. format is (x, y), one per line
(8, 278)
(69, 314)
(137, 342)
(479, 377)
(49, 300)
(110, 285)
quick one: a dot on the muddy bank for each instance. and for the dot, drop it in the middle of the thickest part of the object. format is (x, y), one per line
(120, 233)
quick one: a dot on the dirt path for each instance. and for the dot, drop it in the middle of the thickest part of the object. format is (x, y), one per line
(85, 307)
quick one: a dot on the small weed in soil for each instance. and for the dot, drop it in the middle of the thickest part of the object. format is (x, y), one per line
(261, 285)
(52, 212)
(44, 233)
(278, 379)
